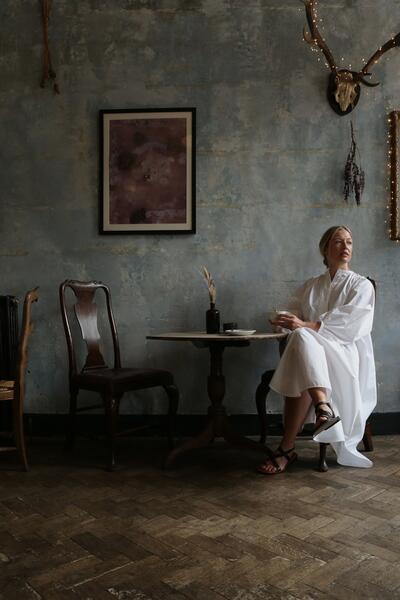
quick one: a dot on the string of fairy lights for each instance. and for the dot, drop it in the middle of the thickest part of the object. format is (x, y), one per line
(393, 121)
(393, 167)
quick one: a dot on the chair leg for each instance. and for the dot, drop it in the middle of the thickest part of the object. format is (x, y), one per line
(71, 434)
(19, 434)
(323, 466)
(111, 410)
(367, 438)
(261, 400)
(173, 398)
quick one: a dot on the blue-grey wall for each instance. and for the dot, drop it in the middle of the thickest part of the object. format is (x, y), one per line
(270, 157)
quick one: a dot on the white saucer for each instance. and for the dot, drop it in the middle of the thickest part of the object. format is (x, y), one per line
(239, 331)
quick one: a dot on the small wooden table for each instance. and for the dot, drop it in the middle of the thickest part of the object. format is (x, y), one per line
(217, 425)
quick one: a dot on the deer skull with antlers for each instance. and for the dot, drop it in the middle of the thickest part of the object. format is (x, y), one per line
(344, 85)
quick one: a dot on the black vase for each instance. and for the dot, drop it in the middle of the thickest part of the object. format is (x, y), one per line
(212, 319)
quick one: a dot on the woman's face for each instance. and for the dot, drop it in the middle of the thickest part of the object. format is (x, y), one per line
(340, 249)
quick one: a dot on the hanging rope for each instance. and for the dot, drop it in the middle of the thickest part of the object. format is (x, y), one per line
(48, 72)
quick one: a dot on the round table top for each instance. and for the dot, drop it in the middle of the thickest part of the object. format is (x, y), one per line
(201, 336)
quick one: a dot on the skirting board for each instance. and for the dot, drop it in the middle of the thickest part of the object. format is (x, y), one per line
(47, 424)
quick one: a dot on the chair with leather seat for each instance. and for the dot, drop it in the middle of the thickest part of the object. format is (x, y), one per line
(13, 391)
(95, 375)
(262, 392)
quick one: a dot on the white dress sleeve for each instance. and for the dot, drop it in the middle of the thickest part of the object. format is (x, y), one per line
(295, 303)
(352, 321)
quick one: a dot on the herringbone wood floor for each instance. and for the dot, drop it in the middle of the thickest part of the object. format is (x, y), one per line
(210, 529)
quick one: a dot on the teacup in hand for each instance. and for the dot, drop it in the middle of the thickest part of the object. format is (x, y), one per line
(273, 318)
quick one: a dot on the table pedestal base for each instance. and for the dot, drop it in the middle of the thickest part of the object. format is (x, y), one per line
(218, 425)
(217, 428)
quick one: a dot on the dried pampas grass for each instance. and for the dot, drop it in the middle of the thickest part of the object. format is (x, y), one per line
(212, 291)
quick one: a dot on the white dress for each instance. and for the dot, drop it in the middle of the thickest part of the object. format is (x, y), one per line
(339, 357)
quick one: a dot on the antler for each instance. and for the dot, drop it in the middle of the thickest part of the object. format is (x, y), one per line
(313, 37)
(394, 41)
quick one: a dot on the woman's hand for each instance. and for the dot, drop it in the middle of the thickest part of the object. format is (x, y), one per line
(292, 322)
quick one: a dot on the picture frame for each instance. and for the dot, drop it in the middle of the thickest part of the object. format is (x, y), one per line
(393, 165)
(147, 171)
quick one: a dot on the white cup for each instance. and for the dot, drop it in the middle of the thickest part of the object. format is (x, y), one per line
(274, 315)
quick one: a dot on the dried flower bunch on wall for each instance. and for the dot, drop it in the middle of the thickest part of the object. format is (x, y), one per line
(48, 73)
(354, 176)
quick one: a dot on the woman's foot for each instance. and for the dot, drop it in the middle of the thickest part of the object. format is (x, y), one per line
(325, 417)
(283, 458)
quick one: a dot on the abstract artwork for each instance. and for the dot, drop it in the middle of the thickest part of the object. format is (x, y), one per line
(147, 175)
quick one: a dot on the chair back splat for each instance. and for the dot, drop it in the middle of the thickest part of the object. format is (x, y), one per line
(86, 312)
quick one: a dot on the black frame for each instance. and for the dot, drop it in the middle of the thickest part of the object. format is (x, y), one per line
(105, 116)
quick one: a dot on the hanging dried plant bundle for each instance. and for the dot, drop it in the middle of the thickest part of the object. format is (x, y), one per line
(212, 292)
(354, 176)
(48, 72)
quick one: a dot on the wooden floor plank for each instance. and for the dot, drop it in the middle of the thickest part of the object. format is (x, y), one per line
(209, 529)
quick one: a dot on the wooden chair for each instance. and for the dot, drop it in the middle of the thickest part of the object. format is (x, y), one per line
(261, 399)
(96, 376)
(14, 391)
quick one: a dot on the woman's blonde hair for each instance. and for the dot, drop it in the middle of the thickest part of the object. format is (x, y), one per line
(326, 238)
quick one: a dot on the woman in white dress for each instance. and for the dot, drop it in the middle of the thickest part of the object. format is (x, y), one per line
(328, 367)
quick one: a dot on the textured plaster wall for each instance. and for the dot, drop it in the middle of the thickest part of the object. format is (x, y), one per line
(270, 155)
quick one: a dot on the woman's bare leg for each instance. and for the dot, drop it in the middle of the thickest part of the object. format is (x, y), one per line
(295, 412)
(317, 395)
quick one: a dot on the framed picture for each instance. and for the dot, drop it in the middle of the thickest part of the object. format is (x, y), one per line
(147, 171)
(393, 163)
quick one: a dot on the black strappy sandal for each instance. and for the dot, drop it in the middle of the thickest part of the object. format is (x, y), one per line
(328, 418)
(290, 456)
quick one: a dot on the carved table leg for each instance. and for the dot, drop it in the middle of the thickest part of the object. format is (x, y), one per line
(261, 401)
(216, 412)
(245, 443)
(217, 425)
(202, 439)
(216, 389)
(216, 392)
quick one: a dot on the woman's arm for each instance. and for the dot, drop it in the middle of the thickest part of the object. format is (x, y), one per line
(353, 320)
